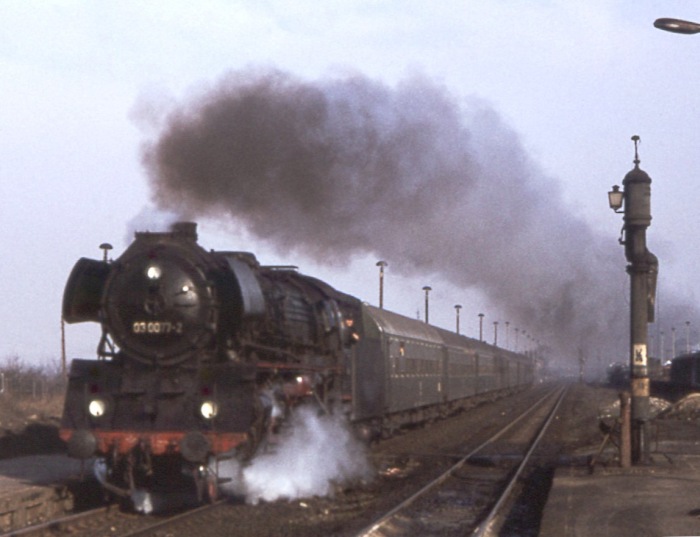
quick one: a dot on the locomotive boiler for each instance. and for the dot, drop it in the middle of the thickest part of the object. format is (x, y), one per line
(204, 353)
(201, 352)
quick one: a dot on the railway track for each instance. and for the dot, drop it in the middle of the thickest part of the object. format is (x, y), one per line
(109, 521)
(474, 456)
(471, 495)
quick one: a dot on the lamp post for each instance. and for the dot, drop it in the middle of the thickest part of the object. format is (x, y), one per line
(457, 308)
(495, 333)
(427, 290)
(677, 26)
(673, 342)
(642, 268)
(105, 247)
(687, 337)
(662, 348)
(507, 335)
(481, 327)
(381, 265)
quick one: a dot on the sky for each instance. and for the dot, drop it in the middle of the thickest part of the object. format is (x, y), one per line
(551, 90)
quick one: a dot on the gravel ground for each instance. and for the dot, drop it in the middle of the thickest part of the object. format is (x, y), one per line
(400, 465)
(405, 462)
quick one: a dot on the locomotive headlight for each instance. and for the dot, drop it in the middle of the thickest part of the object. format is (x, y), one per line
(97, 408)
(209, 409)
(153, 272)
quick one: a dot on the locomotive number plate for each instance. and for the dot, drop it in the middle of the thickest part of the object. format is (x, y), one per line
(156, 327)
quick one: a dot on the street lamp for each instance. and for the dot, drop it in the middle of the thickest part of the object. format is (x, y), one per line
(642, 268)
(687, 337)
(662, 347)
(673, 342)
(381, 265)
(677, 26)
(427, 290)
(495, 333)
(105, 247)
(615, 198)
(457, 308)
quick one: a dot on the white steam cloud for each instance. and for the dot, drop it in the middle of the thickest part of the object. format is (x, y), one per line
(313, 455)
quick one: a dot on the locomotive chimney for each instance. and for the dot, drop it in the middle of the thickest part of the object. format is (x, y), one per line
(185, 230)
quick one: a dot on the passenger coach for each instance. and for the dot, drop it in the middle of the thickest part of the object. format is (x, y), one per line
(406, 370)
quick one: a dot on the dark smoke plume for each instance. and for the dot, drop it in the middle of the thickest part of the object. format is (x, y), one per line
(344, 166)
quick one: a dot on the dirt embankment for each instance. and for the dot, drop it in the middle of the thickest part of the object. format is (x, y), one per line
(29, 427)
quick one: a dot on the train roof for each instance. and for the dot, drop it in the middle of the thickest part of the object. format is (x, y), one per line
(457, 340)
(406, 327)
(402, 326)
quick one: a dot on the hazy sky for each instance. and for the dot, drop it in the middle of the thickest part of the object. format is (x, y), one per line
(574, 80)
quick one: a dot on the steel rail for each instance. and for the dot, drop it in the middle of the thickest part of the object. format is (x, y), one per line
(486, 528)
(56, 523)
(373, 530)
(171, 520)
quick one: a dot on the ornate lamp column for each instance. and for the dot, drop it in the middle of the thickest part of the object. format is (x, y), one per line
(642, 268)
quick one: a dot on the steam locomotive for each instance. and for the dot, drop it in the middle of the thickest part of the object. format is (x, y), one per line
(204, 353)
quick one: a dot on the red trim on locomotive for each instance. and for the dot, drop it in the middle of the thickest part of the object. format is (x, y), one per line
(160, 442)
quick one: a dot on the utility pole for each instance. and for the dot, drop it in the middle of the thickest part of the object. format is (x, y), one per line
(63, 346)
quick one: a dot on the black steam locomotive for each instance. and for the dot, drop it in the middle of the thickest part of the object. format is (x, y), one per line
(203, 354)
